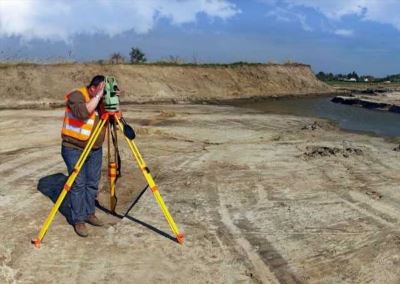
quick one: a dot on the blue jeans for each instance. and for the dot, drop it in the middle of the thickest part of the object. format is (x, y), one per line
(83, 192)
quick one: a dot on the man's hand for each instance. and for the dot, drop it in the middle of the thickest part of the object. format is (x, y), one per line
(92, 104)
(100, 90)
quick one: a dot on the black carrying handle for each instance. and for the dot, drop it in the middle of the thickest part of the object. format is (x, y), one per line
(128, 130)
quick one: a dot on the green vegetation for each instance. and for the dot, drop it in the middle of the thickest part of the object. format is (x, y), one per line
(352, 77)
(355, 78)
(116, 58)
(137, 56)
(393, 78)
(154, 63)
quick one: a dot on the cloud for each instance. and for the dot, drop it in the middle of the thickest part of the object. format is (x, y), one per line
(285, 15)
(344, 32)
(62, 19)
(384, 12)
(332, 9)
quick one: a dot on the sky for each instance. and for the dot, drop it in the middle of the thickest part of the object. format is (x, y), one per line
(338, 36)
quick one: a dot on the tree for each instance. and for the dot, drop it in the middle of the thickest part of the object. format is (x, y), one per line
(352, 75)
(137, 56)
(116, 58)
(321, 75)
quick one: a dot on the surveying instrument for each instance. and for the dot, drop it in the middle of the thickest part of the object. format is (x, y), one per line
(113, 115)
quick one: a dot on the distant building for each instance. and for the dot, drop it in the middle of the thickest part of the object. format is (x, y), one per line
(387, 82)
(366, 80)
(350, 80)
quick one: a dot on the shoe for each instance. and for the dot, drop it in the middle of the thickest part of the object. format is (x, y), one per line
(94, 221)
(81, 230)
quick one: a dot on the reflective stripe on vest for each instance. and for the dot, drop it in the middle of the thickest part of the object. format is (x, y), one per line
(74, 127)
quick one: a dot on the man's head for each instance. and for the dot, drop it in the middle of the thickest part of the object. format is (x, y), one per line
(95, 84)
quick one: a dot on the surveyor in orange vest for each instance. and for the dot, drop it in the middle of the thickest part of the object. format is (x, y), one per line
(82, 113)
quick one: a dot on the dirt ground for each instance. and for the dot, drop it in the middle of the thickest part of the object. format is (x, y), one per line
(261, 198)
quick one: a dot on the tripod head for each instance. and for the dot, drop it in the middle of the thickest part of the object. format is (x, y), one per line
(116, 117)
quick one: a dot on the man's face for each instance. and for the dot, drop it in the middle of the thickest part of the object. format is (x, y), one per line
(93, 90)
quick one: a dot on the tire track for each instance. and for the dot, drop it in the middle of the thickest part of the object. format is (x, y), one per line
(25, 157)
(36, 172)
(261, 269)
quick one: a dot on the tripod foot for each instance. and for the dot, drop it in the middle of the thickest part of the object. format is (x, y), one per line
(36, 242)
(180, 238)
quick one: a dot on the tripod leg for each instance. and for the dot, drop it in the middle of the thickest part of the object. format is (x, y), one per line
(112, 174)
(69, 182)
(149, 178)
(112, 169)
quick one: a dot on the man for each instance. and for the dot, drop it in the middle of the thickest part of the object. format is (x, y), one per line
(82, 113)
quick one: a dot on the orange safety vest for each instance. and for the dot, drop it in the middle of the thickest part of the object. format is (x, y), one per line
(74, 127)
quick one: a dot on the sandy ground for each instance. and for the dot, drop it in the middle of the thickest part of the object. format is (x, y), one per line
(261, 198)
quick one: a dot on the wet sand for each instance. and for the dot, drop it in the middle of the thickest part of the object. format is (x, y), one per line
(262, 198)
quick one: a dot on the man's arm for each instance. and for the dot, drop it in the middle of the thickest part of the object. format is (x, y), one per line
(92, 104)
(82, 110)
(77, 104)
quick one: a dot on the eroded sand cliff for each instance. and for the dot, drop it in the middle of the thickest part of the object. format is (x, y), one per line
(29, 85)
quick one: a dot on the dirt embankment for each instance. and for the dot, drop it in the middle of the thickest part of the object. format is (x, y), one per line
(30, 85)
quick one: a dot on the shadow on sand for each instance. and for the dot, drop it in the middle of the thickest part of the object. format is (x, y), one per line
(148, 226)
(52, 185)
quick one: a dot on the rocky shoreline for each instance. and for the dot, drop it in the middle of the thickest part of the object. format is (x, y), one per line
(386, 101)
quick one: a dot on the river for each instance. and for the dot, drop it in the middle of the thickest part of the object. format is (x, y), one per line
(350, 118)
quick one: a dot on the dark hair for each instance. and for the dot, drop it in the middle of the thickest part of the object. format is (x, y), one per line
(96, 80)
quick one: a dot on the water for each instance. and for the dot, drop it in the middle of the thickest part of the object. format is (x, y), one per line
(351, 118)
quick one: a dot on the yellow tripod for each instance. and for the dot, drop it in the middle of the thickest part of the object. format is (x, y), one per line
(142, 166)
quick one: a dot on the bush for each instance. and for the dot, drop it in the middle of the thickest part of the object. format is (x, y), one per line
(137, 56)
(116, 58)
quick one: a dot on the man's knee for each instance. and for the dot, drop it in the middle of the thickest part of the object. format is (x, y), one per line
(79, 183)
